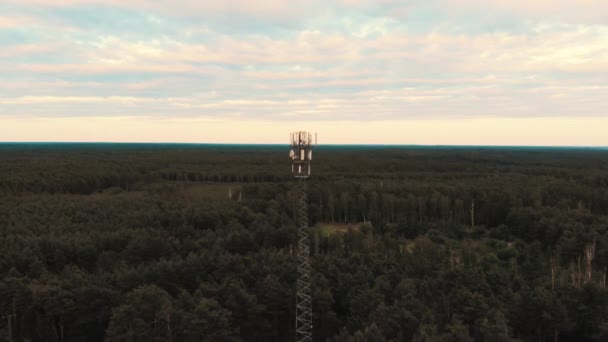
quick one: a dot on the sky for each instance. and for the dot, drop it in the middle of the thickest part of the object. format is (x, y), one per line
(433, 72)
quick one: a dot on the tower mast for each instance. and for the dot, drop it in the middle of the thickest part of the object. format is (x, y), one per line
(301, 155)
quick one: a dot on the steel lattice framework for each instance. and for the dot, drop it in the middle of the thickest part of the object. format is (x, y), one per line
(301, 155)
(304, 293)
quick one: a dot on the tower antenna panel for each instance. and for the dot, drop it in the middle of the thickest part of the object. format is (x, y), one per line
(301, 153)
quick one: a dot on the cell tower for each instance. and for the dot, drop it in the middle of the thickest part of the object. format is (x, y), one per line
(301, 155)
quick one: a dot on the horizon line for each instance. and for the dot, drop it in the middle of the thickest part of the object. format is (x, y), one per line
(287, 144)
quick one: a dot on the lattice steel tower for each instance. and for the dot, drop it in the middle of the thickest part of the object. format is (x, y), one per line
(301, 155)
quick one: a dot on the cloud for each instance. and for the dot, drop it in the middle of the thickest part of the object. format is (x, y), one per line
(273, 60)
(567, 11)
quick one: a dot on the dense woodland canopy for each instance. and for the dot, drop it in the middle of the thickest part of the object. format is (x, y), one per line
(126, 243)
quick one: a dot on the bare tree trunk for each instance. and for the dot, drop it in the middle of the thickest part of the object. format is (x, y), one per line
(578, 272)
(276, 328)
(572, 273)
(473, 214)
(169, 328)
(554, 270)
(589, 255)
(345, 202)
(575, 273)
(321, 206)
(331, 206)
(10, 328)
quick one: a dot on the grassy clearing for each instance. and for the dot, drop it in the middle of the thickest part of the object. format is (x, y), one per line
(328, 228)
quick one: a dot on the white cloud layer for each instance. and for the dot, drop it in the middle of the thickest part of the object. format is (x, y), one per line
(307, 61)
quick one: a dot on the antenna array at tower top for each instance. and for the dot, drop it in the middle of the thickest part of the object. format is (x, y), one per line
(300, 154)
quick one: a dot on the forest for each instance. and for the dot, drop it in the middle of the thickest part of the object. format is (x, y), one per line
(175, 242)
